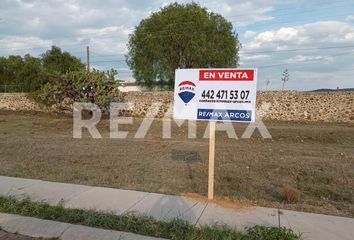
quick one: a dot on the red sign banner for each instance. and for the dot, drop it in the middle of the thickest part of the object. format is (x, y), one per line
(226, 75)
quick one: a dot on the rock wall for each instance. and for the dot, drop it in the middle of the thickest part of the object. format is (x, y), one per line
(305, 106)
(271, 105)
(282, 106)
(144, 100)
(18, 102)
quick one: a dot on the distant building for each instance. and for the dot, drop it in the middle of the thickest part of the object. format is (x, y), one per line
(134, 87)
(129, 87)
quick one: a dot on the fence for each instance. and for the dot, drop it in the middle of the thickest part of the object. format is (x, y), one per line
(9, 88)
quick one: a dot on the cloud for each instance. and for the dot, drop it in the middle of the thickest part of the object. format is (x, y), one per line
(254, 57)
(283, 34)
(105, 26)
(303, 59)
(243, 13)
(315, 80)
(107, 40)
(19, 42)
(106, 30)
(313, 34)
(309, 51)
(350, 18)
(249, 34)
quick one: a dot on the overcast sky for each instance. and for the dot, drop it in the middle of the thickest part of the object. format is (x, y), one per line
(314, 39)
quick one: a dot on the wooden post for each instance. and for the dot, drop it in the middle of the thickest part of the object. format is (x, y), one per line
(211, 160)
(88, 58)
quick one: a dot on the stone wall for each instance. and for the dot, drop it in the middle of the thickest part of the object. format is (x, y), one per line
(283, 106)
(305, 106)
(18, 102)
(144, 100)
(271, 105)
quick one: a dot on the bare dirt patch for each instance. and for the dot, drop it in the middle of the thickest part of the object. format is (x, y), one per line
(314, 159)
(221, 201)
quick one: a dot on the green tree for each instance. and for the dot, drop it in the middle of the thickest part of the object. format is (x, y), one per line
(10, 67)
(180, 36)
(3, 70)
(56, 61)
(21, 73)
(31, 77)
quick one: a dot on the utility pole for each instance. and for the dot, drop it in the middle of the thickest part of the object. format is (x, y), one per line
(88, 58)
(267, 83)
(285, 77)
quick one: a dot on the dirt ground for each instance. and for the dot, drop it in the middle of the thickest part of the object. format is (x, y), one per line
(312, 162)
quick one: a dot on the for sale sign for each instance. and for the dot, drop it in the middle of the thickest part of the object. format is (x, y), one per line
(215, 94)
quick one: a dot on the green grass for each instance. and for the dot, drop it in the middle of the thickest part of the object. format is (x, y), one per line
(175, 229)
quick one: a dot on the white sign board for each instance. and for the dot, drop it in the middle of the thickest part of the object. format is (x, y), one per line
(215, 94)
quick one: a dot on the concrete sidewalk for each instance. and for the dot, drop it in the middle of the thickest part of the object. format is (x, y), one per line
(37, 228)
(166, 207)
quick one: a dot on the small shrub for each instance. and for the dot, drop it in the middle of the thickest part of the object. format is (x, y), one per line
(323, 179)
(96, 86)
(272, 233)
(291, 195)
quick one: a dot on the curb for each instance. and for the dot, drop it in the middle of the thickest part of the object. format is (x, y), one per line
(37, 228)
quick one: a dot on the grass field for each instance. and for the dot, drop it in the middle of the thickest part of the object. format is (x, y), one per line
(305, 166)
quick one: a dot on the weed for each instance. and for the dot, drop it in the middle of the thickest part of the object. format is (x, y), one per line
(323, 180)
(273, 233)
(175, 229)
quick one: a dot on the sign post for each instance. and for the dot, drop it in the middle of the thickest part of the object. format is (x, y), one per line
(212, 126)
(221, 94)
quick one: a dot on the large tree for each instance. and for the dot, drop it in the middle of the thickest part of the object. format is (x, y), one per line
(180, 36)
(57, 61)
(30, 73)
(21, 73)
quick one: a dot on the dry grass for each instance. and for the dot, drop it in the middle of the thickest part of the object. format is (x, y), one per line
(315, 159)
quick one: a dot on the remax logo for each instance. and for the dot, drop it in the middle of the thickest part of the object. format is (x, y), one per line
(186, 91)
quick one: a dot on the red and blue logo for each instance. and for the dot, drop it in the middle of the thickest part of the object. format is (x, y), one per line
(186, 91)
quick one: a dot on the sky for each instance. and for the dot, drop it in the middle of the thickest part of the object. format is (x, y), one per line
(313, 39)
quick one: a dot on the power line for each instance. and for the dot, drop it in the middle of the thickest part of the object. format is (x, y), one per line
(98, 55)
(164, 31)
(333, 55)
(103, 61)
(171, 34)
(306, 61)
(239, 15)
(292, 8)
(297, 49)
(228, 18)
(43, 47)
(300, 20)
(307, 10)
(249, 52)
(148, 36)
(267, 66)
